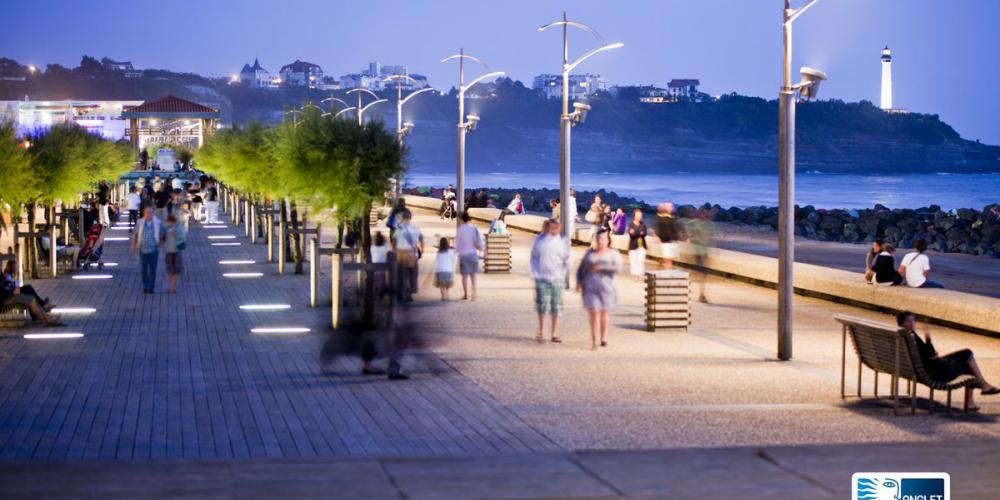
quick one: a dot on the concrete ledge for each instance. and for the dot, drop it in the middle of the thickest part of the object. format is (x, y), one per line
(959, 309)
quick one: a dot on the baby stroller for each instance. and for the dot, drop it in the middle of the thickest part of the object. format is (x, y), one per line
(92, 249)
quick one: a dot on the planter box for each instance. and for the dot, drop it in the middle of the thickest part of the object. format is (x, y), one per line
(667, 300)
(497, 257)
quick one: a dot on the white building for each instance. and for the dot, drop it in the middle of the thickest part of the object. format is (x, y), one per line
(374, 77)
(301, 74)
(103, 118)
(683, 88)
(886, 79)
(256, 76)
(580, 86)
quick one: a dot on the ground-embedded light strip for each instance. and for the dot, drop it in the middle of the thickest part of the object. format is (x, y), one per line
(73, 310)
(92, 277)
(223, 237)
(214, 227)
(121, 228)
(117, 238)
(110, 264)
(236, 262)
(225, 244)
(280, 329)
(242, 275)
(265, 307)
(50, 336)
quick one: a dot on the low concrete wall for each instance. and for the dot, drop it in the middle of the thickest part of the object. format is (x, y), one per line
(963, 310)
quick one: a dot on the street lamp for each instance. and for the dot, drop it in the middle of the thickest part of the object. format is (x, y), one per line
(403, 129)
(569, 120)
(332, 100)
(807, 88)
(465, 123)
(359, 108)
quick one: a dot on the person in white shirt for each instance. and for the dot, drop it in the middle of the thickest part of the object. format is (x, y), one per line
(549, 267)
(515, 207)
(444, 272)
(133, 202)
(177, 183)
(380, 250)
(408, 244)
(468, 243)
(916, 266)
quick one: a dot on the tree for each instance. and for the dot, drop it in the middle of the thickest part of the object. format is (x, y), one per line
(15, 170)
(90, 66)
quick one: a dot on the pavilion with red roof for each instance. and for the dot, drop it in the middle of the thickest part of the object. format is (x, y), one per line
(170, 120)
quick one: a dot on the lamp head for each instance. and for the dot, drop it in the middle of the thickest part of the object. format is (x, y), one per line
(407, 128)
(471, 121)
(579, 114)
(809, 86)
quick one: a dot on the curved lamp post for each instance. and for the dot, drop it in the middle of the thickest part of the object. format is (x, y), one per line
(569, 120)
(465, 123)
(807, 88)
(361, 109)
(402, 128)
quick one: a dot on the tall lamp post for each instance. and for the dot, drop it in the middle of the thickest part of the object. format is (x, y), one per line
(465, 123)
(568, 120)
(359, 108)
(807, 88)
(332, 100)
(402, 128)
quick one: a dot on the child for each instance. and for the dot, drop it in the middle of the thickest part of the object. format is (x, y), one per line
(173, 244)
(379, 248)
(445, 272)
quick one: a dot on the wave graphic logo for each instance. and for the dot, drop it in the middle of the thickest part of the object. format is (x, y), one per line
(901, 486)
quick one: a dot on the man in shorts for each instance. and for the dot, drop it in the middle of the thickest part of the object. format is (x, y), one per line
(468, 243)
(549, 267)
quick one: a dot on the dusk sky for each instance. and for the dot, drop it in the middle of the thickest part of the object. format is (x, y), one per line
(940, 47)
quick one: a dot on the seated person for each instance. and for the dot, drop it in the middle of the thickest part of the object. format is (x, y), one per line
(916, 267)
(870, 257)
(11, 279)
(948, 367)
(884, 267)
(69, 252)
(11, 294)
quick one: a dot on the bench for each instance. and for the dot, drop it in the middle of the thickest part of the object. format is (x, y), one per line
(887, 349)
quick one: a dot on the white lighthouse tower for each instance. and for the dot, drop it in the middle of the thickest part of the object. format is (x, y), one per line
(886, 79)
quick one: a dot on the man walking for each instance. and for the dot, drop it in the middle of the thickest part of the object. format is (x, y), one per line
(211, 203)
(549, 267)
(468, 244)
(132, 203)
(408, 244)
(103, 201)
(146, 240)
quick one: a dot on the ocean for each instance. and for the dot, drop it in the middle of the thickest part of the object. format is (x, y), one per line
(821, 190)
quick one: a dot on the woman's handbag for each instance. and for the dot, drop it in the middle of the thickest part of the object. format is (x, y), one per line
(406, 258)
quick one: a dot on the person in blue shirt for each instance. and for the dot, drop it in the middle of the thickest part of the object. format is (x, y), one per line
(146, 240)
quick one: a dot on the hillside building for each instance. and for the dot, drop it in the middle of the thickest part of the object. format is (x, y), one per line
(301, 74)
(256, 76)
(684, 89)
(374, 77)
(580, 86)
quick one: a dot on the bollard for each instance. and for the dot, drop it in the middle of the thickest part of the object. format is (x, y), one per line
(269, 219)
(667, 300)
(246, 217)
(253, 223)
(335, 290)
(313, 269)
(53, 252)
(281, 246)
(20, 260)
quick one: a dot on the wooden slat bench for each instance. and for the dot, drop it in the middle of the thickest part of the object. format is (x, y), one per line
(887, 349)
(14, 316)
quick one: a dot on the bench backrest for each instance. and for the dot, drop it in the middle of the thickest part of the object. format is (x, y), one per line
(877, 344)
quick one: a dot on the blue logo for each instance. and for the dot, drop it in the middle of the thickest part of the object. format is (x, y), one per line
(901, 486)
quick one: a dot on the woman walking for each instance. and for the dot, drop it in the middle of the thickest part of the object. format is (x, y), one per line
(637, 244)
(174, 243)
(596, 279)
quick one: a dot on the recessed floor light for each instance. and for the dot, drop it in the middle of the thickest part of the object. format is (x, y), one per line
(92, 276)
(219, 226)
(110, 264)
(225, 244)
(242, 275)
(121, 228)
(117, 238)
(49, 336)
(265, 307)
(236, 262)
(73, 310)
(280, 329)
(223, 237)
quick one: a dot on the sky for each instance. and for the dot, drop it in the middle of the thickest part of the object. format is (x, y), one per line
(945, 57)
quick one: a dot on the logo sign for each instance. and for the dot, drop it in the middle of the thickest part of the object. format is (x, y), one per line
(901, 486)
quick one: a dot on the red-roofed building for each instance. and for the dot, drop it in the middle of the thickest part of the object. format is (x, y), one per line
(170, 120)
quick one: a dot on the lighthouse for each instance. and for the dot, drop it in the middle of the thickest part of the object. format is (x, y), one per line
(886, 79)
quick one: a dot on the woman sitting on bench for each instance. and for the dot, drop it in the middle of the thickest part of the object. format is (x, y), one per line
(948, 367)
(11, 294)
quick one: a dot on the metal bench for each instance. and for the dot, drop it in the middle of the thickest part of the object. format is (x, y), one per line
(887, 349)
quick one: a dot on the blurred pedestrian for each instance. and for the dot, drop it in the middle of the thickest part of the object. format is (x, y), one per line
(211, 201)
(637, 244)
(700, 234)
(468, 244)
(595, 278)
(174, 243)
(549, 268)
(619, 221)
(104, 202)
(133, 202)
(668, 230)
(146, 241)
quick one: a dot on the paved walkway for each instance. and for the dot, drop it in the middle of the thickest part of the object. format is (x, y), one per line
(161, 383)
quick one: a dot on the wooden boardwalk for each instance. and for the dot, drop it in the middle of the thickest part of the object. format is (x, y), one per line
(182, 377)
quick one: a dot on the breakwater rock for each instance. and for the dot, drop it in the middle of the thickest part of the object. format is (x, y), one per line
(964, 230)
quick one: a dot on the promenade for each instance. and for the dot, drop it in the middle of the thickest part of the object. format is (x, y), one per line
(173, 395)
